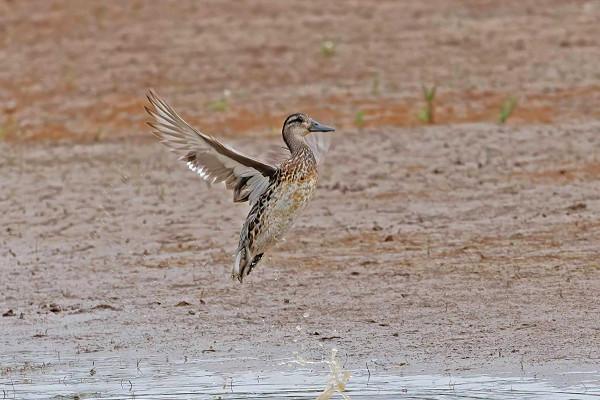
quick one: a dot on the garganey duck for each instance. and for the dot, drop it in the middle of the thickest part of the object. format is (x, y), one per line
(277, 193)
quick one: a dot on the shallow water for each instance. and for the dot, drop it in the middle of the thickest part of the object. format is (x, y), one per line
(90, 376)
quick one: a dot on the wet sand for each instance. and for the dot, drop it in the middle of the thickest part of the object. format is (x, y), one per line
(463, 247)
(444, 249)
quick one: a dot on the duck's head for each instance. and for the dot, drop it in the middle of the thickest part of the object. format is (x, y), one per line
(295, 130)
(300, 124)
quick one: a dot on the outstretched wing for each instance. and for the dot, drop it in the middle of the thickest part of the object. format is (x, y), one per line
(214, 161)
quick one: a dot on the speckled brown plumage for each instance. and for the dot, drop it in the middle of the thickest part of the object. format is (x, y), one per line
(277, 193)
(270, 218)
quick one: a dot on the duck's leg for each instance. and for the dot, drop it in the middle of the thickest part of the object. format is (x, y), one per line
(244, 264)
(245, 260)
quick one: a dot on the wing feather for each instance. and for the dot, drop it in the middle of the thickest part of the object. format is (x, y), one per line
(214, 161)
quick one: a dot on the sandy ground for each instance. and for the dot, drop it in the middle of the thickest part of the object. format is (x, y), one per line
(461, 247)
(471, 247)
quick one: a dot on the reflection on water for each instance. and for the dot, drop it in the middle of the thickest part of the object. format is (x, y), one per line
(91, 376)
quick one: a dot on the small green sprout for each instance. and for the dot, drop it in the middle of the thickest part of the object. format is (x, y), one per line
(222, 104)
(359, 119)
(426, 114)
(507, 109)
(218, 105)
(8, 128)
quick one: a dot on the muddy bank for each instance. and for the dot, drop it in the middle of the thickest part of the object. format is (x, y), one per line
(448, 249)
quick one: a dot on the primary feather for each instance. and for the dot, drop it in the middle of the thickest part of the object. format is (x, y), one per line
(214, 161)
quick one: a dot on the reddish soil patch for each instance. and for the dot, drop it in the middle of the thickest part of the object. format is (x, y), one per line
(80, 69)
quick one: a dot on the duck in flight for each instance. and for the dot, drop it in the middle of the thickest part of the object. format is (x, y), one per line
(277, 193)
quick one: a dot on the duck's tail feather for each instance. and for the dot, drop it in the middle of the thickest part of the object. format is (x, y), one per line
(244, 263)
(241, 260)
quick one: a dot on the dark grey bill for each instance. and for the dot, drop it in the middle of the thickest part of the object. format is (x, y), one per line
(317, 127)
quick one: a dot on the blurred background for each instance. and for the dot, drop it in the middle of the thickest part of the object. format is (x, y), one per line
(80, 69)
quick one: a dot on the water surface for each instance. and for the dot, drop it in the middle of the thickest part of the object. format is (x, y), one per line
(92, 376)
